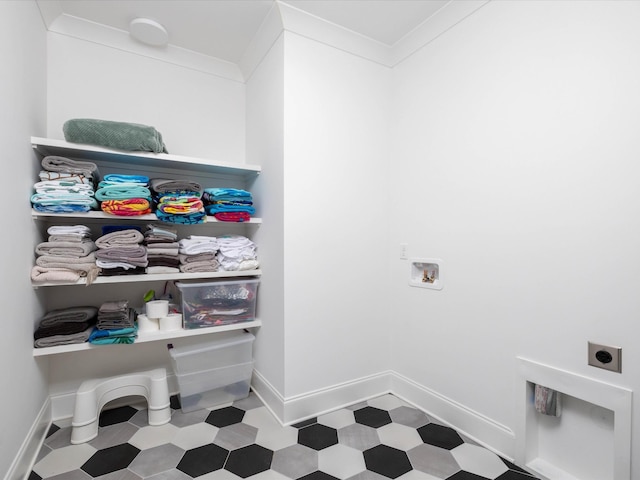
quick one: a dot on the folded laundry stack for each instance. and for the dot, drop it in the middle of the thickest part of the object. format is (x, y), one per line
(124, 195)
(236, 252)
(65, 186)
(65, 326)
(198, 254)
(228, 204)
(162, 249)
(120, 252)
(66, 256)
(115, 324)
(178, 201)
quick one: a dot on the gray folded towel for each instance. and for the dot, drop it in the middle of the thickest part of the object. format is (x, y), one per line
(210, 266)
(120, 238)
(55, 163)
(69, 339)
(71, 314)
(118, 135)
(163, 185)
(66, 249)
(197, 257)
(136, 256)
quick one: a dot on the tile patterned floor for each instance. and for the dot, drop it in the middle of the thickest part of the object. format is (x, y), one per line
(379, 439)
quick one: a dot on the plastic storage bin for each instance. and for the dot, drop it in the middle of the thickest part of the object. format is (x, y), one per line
(224, 351)
(215, 372)
(214, 387)
(218, 302)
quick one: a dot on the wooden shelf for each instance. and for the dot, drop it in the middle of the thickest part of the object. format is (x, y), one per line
(147, 337)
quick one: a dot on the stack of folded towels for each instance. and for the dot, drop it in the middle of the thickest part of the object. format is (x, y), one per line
(236, 252)
(115, 324)
(162, 249)
(178, 201)
(65, 326)
(66, 256)
(124, 195)
(228, 204)
(65, 186)
(198, 254)
(120, 252)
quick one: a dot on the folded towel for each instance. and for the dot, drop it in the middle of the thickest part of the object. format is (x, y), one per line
(118, 135)
(162, 269)
(83, 266)
(45, 175)
(66, 249)
(67, 328)
(126, 207)
(54, 163)
(125, 178)
(120, 238)
(232, 216)
(136, 256)
(121, 191)
(118, 335)
(71, 314)
(81, 230)
(54, 275)
(206, 266)
(69, 339)
(61, 199)
(164, 186)
(181, 218)
(197, 257)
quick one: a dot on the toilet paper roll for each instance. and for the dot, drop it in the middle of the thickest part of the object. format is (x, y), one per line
(146, 324)
(172, 321)
(157, 308)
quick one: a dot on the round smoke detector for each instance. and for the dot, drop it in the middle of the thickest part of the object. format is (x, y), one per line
(148, 31)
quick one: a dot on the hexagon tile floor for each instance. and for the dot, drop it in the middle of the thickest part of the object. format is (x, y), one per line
(379, 439)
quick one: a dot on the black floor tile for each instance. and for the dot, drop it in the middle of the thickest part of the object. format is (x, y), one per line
(110, 459)
(225, 416)
(317, 436)
(440, 436)
(249, 460)
(116, 415)
(372, 417)
(203, 460)
(387, 461)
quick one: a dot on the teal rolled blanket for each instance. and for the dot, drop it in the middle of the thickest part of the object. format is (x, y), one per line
(117, 135)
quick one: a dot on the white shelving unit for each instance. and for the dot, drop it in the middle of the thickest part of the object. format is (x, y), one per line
(159, 165)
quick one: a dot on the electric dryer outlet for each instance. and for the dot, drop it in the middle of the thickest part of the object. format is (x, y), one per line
(605, 356)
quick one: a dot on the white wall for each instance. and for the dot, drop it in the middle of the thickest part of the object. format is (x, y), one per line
(519, 129)
(335, 213)
(265, 143)
(23, 89)
(198, 114)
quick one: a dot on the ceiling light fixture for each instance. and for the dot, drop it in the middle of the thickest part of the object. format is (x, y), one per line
(148, 31)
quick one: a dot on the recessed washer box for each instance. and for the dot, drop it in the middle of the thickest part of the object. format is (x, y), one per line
(426, 273)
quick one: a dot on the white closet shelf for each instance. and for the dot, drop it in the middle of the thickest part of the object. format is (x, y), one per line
(96, 215)
(48, 146)
(147, 337)
(154, 277)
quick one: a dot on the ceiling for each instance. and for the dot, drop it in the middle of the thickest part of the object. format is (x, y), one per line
(224, 28)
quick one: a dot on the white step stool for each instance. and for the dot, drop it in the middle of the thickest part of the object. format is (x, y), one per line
(96, 393)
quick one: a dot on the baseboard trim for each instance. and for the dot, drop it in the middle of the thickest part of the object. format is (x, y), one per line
(289, 410)
(25, 459)
(481, 429)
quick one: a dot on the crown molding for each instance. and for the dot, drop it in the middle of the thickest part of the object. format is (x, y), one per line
(81, 29)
